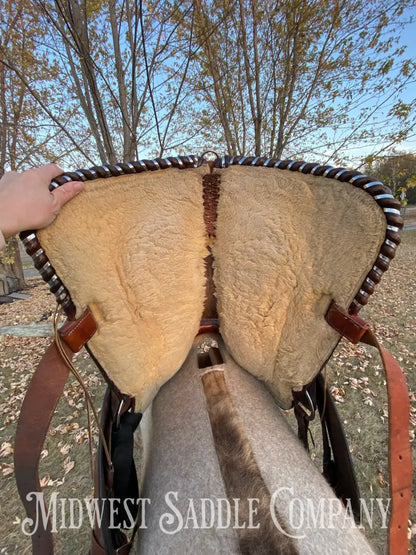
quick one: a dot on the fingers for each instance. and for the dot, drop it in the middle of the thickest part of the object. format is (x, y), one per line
(66, 192)
(48, 172)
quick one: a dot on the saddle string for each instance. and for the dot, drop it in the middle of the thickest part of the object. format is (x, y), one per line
(89, 427)
(88, 401)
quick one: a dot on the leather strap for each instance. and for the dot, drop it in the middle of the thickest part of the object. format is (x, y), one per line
(75, 333)
(400, 460)
(338, 468)
(36, 413)
(210, 195)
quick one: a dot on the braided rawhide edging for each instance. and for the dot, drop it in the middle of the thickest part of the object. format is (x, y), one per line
(379, 192)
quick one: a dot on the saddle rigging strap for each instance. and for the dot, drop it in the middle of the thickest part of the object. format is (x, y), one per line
(400, 459)
(36, 413)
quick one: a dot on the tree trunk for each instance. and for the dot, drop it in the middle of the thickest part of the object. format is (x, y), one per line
(11, 269)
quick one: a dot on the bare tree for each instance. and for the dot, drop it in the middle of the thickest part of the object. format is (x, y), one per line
(300, 77)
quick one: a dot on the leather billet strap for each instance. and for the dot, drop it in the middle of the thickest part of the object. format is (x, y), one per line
(338, 467)
(36, 413)
(400, 460)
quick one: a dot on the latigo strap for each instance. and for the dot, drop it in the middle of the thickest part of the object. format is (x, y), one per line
(38, 407)
(400, 459)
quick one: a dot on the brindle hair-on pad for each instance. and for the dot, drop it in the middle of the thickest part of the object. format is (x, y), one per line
(241, 474)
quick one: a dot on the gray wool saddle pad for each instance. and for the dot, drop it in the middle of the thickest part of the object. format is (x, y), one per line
(290, 238)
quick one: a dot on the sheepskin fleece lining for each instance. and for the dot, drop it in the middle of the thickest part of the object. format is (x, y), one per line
(287, 244)
(132, 248)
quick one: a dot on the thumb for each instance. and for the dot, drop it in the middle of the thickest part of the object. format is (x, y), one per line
(64, 193)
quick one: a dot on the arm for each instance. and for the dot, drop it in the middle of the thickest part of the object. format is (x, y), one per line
(27, 203)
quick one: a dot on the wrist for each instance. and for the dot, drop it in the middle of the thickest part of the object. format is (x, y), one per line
(8, 224)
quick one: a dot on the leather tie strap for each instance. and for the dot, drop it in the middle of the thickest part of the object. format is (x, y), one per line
(210, 196)
(400, 460)
(36, 413)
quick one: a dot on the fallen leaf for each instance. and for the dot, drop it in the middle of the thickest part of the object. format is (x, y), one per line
(381, 480)
(6, 449)
(68, 465)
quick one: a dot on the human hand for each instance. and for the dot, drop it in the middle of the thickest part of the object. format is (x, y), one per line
(27, 203)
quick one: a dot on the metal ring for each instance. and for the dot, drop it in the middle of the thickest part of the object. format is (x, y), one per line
(201, 159)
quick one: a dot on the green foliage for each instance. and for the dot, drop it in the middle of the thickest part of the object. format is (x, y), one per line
(8, 254)
(398, 171)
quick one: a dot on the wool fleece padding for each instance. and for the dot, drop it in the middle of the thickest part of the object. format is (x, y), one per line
(131, 248)
(287, 244)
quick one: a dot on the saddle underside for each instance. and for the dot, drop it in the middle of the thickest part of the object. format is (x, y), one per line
(132, 248)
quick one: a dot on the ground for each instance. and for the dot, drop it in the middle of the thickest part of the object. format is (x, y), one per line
(354, 373)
